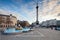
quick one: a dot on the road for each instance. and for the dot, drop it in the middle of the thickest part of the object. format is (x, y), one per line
(37, 34)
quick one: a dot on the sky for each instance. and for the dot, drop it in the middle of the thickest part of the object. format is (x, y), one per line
(26, 9)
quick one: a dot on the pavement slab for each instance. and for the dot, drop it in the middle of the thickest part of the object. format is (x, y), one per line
(37, 34)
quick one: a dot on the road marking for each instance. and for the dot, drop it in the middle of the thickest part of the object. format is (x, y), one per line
(40, 33)
(32, 34)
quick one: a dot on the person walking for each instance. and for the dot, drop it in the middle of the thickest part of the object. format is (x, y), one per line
(52, 27)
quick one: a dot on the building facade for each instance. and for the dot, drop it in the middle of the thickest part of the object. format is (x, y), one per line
(23, 23)
(49, 23)
(7, 20)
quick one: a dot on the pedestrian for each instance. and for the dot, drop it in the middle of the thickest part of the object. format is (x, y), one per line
(52, 27)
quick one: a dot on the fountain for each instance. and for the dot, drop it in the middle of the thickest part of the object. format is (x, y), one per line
(14, 31)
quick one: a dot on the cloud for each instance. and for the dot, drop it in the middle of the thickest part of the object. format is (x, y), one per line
(48, 10)
(18, 15)
(58, 14)
(4, 12)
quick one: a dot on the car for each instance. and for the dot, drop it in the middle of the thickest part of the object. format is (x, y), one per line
(57, 28)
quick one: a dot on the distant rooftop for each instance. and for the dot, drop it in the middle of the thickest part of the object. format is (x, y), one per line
(7, 15)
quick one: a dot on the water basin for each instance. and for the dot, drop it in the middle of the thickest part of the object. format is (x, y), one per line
(13, 30)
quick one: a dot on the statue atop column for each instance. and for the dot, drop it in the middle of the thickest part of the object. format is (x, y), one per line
(37, 22)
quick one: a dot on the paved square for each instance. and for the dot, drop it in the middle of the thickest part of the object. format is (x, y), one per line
(37, 34)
